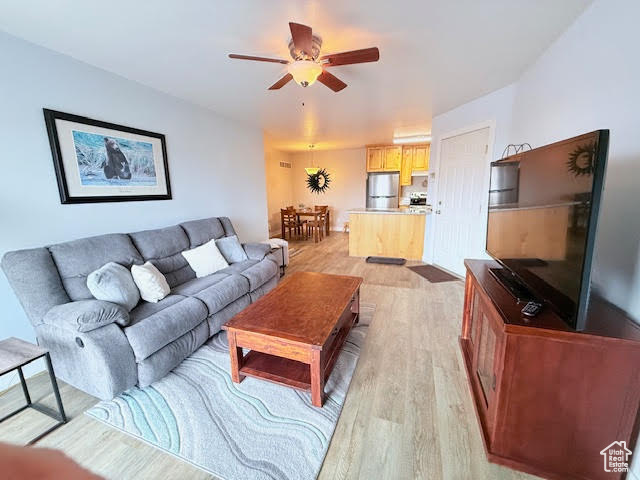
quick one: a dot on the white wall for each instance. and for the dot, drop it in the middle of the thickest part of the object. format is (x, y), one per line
(348, 173)
(279, 184)
(216, 166)
(494, 109)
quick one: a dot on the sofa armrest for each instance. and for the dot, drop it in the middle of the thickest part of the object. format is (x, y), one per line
(99, 362)
(256, 251)
(86, 315)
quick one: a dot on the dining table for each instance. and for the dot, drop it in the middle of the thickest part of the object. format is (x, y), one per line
(309, 212)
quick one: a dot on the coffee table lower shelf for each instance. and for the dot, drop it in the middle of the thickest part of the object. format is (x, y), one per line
(283, 371)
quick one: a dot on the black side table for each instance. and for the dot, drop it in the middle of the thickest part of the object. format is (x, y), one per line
(15, 354)
(283, 266)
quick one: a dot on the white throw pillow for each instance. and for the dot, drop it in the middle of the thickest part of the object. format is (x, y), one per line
(113, 283)
(150, 281)
(205, 259)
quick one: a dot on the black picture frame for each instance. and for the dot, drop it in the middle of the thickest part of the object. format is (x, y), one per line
(50, 117)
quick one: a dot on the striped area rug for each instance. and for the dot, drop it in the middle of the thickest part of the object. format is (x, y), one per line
(251, 430)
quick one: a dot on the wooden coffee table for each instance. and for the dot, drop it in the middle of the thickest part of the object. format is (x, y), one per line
(295, 332)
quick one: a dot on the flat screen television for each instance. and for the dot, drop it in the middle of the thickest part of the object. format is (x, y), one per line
(543, 213)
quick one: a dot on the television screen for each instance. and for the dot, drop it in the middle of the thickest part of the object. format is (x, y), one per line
(543, 207)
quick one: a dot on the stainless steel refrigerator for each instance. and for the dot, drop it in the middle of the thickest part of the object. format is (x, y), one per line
(505, 178)
(382, 190)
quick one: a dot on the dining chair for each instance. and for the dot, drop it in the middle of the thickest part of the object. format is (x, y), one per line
(290, 221)
(317, 225)
(325, 218)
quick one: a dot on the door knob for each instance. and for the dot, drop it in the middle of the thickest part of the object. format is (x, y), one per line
(437, 212)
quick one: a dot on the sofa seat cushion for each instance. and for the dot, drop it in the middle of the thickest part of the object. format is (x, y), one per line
(260, 273)
(222, 293)
(158, 364)
(154, 325)
(238, 267)
(196, 285)
(264, 289)
(227, 313)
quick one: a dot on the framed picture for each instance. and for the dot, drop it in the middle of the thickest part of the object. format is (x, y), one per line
(97, 161)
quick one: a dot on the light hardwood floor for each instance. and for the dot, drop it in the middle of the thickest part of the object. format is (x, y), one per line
(408, 413)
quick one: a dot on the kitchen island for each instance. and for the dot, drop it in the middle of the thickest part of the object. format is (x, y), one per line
(388, 232)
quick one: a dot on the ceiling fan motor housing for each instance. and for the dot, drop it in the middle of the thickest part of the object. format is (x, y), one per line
(297, 54)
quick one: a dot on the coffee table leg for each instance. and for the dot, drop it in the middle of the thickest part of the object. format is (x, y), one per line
(317, 379)
(235, 353)
(355, 306)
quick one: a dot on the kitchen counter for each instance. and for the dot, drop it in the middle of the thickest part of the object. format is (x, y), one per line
(388, 232)
(393, 211)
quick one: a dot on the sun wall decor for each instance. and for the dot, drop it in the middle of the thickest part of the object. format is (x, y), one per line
(318, 182)
(582, 160)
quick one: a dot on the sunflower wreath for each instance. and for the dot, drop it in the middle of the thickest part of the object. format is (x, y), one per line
(318, 182)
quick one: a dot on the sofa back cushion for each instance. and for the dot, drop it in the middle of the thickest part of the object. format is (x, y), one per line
(228, 226)
(163, 248)
(34, 277)
(75, 260)
(202, 231)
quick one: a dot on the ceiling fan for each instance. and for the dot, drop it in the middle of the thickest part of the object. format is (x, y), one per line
(307, 65)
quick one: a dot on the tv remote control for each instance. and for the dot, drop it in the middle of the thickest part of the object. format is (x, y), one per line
(531, 309)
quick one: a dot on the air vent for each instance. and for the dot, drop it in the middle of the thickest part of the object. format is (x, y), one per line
(285, 164)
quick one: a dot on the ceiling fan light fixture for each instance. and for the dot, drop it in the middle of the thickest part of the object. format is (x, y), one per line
(304, 72)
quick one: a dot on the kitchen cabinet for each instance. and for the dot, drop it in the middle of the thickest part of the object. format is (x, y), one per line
(407, 165)
(421, 157)
(397, 158)
(375, 159)
(392, 158)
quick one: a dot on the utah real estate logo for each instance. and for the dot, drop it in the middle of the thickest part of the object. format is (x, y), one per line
(616, 457)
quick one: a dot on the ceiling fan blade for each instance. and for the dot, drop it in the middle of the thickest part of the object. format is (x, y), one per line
(331, 81)
(257, 59)
(282, 82)
(355, 56)
(302, 37)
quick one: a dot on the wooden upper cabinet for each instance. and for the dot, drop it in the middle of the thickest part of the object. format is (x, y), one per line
(421, 157)
(397, 158)
(375, 159)
(392, 158)
(407, 165)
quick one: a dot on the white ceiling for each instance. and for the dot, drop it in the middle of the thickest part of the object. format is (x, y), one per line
(434, 55)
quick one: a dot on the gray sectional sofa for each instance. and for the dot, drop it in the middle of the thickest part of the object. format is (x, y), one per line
(105, 353)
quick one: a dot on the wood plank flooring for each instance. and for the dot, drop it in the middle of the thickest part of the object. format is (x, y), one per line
(408, 413)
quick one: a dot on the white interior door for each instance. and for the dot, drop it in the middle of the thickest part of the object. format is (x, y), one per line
(460, 224)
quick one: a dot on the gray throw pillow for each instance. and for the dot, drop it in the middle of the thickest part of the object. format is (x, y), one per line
(113, 283)
(231, 249)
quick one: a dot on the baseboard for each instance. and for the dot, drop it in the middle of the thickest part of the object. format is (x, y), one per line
(278, 234)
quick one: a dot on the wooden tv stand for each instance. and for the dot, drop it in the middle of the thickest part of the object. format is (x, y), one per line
(548, 399)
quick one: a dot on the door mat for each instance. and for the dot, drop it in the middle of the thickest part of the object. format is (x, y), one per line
(386, 260)
(433, 274)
